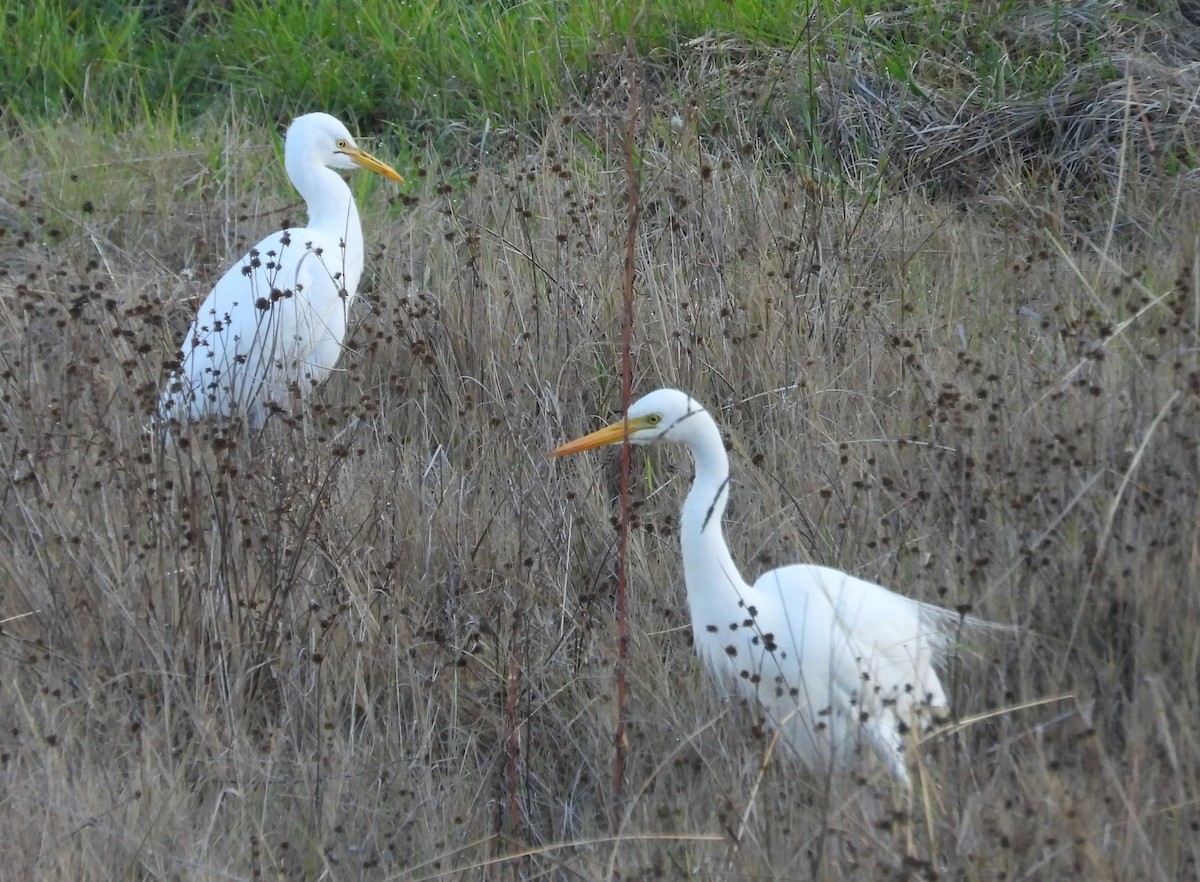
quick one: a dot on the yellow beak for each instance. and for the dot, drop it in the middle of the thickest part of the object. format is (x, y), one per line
(613, 434)
(363, 159)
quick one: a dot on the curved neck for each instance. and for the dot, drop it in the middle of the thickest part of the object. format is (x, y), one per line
(331, 210)
(701, 535)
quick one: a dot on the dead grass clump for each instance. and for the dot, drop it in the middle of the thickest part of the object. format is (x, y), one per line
(1078, 100)
(1100, 123)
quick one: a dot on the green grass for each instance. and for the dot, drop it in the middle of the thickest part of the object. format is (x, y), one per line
(869, 96)
(415, 65)
(410, 63)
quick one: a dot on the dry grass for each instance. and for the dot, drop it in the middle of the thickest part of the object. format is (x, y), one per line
(294, 658)
(1070, 98)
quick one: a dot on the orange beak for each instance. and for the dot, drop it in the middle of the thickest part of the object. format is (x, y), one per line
(363, 159)
(612, 434)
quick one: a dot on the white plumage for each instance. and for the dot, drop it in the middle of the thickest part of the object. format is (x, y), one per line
(835, 662)
(272, 328)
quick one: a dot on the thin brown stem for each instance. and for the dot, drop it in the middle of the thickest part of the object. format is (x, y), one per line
(631, 184)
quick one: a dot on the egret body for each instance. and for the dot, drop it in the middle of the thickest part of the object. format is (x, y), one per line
(271, 330)
(835, 662)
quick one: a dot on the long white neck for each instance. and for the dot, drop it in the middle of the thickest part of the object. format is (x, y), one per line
(331, 211)
(708, 568)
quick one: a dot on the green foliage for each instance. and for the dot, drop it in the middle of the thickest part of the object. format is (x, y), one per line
(101, 60)
(769, 72)
(55, 54)
(872, 94)
(424, 63)
(412, 63)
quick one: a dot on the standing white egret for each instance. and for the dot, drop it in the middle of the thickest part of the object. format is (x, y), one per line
(272, 328)
(835, 662)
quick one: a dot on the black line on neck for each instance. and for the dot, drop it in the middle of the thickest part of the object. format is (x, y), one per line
(712, 508)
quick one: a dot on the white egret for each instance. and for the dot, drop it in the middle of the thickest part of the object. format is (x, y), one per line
(835, 662)
(272, 328)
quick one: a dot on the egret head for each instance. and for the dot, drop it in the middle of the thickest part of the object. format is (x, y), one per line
(320, 139)
(662, 415)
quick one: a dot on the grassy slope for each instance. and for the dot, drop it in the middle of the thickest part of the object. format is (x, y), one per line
(293, 660)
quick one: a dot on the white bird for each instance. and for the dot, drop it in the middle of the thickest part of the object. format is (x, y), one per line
(834, 662)
(272, 328)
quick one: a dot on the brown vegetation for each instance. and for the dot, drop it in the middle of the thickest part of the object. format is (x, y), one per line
(293, 656)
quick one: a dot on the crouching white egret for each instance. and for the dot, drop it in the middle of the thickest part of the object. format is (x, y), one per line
(835, 662)
(272, 328)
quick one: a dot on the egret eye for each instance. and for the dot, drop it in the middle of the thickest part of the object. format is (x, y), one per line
(342, 143)
(654, 419)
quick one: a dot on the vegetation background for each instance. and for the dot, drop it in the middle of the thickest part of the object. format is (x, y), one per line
(932, 265)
